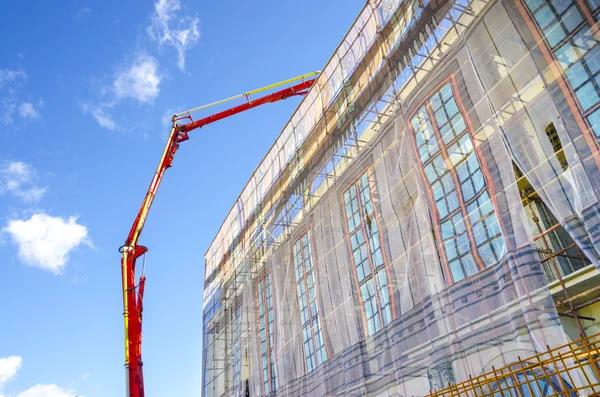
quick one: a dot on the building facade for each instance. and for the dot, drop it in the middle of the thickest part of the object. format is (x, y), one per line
(429, 214)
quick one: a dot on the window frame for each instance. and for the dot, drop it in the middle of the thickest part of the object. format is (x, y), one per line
(563, 82)
(236, 321)
(209, 351)
(586, 15)
(443, 152)
(368, 171)
(311, 320)
(272, 373)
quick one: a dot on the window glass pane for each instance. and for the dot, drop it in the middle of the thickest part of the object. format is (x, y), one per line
(431, 172)
(442, 208)
(469, 265)
(572, 19)
(594, 120)
(577, 75)
(427, 130)
(441, 117)
(567, 55)
(587, 95)
(452, 201)
(436, 102)
(555, 34)
(592, 59)
(499, 246)
(458, 124)
(584, 40)
(544, 16)
(451, 107)
(594, 4)
(447, 229)
(560, 5)
(450, 247)
(446, 92)
(534, 4)
(456, 269)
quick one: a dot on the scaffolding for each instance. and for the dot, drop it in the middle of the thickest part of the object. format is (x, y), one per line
(567, 370)
(425, 213)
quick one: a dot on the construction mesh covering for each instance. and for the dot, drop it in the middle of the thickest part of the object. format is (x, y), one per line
(400, 234)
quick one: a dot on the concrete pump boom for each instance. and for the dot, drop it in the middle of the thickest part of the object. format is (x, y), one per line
(133, 293)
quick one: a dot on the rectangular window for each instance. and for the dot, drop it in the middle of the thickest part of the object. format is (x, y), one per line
(467, 222)
(236, 359)
(571, 39)
(209, 362)
(367, 254)
(266, 331)
(312, 334)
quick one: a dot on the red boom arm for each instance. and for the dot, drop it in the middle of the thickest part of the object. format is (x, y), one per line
(133, 293)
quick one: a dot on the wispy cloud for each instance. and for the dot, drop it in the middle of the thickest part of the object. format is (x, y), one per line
(9, 76)
(99, 114)
(7, 110)
(46, 241)
(140, 80)
(166, 29)
(20, 179)
(137, 80)
(10, 82)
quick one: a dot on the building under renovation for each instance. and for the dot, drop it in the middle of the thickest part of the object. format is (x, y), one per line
(428, 221)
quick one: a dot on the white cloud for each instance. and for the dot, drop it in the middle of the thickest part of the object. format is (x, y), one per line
(7, 109)
(161, 29)
(19, 179)
(140, 81)
(9, 367)
(47, 391)
(45, 241)
(28, 111)
(100, 115)
(10, 80)
(8, 76)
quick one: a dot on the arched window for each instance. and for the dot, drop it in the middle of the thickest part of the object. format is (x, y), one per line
(367, 255)
(467, 225)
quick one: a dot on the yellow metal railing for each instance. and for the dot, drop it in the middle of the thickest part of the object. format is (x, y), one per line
(569, 370)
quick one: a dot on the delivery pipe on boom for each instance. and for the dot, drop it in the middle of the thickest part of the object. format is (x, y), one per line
(132, 289)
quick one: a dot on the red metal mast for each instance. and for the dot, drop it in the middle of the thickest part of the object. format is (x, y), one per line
(133, 293)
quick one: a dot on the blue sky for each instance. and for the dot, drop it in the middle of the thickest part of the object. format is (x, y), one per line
(86, 91)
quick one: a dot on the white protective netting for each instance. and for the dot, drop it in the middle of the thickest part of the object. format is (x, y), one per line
(389, 242)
